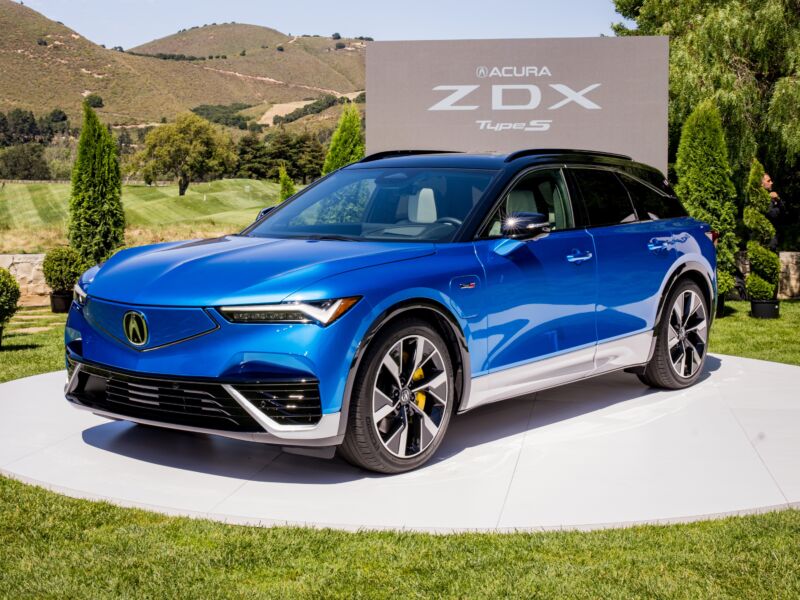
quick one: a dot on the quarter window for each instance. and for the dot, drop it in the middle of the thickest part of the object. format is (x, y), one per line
(650, 205)
(606, 199)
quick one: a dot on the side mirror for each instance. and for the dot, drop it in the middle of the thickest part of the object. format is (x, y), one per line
(264, 212)
(525, 225)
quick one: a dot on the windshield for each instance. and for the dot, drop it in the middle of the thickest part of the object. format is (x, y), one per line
(380, 204)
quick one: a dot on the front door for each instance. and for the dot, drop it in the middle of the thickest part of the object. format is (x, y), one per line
(540, 295)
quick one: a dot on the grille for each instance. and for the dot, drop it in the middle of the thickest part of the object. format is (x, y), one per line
(286, 403)
(190, 403)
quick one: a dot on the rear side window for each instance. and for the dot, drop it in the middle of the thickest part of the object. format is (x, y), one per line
(606, 199)
(649, 204)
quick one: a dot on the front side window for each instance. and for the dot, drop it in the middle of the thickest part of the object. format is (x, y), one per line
(650, 205)
(542, 191)
(606, 199)
(390, 204)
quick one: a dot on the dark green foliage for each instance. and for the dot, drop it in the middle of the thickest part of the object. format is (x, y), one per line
(62, 267)
(22, 126)
(312, 108)
(347, 143)
(96, 220)
(124, 142)
(223, 114)
(336, 36)
(340, 45)
(302, 155)
(25, 161)
(287, 185)
(41, 42)
(243, 53)
(361, 98)
(705, 186)
(279, 48)
(9, 296)
(95, 101)
(253, 160)
(169, 56)
(4, 134)
(746, 55)
(765, 266)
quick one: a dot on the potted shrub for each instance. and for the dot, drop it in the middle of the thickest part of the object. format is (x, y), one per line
(62, 267)
(9, 296)
(765, 266)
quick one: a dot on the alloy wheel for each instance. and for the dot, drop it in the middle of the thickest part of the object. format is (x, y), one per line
(687, 334)
(410, 396)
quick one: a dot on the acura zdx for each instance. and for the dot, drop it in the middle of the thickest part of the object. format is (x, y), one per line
(363, 313)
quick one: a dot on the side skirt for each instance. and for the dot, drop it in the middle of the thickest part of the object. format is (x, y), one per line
(542, 374)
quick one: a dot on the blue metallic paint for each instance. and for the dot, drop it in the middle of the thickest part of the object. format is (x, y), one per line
(513, 302)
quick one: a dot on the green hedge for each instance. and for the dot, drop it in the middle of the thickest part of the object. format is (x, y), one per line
(9, 296)
(62, 267)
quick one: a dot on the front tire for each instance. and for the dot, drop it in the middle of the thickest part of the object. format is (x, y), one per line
(402, 401)
(682, 341)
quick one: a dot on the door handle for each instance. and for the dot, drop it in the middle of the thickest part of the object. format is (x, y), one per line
(658, 244)
(578, 257)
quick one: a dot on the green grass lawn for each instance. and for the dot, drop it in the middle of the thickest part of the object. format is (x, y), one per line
(33, 215)
(52, 546)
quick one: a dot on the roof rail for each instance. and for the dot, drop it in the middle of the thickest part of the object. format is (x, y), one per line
(538, 151)
(390, 153)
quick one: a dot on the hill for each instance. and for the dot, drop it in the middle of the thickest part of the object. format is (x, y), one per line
(311, 61)
(44, 65)
(33, 215)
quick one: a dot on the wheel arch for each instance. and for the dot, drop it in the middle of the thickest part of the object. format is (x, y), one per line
(442, 319)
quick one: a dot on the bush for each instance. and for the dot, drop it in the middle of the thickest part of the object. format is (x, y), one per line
(9, 296)
(287, 185)
(705, 186)
(347, 143)
(25, 161)
(340, 45)
(94, 100)
(765, 266)
(96, 222)
(62, 267)
(279, 48)
(336, 36)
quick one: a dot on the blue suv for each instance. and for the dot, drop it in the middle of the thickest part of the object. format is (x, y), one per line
(361, 314)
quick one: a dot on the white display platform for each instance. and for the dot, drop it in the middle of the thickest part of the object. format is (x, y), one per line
(600, 453)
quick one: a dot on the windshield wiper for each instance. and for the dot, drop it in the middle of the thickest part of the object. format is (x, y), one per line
(333, 236)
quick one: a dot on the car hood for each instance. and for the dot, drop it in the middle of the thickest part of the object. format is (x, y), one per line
(236, 269)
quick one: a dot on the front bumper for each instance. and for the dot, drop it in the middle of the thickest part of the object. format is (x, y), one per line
(286, 412)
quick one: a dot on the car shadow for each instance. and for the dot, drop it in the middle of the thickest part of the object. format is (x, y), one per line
(503, 421)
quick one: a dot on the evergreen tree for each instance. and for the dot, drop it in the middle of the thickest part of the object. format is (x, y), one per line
(96, 219)
(24, 161)
(347, 144)
(253, 160)
(705, 186)
(311, 158)
(765, 266)
(287, 185)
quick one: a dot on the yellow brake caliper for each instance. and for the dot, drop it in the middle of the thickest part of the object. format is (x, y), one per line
(420, 396)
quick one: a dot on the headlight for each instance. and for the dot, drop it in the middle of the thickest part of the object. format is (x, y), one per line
(323, 312)
(78, 295)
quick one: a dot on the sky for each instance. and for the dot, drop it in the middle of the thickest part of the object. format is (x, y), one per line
(128, 23)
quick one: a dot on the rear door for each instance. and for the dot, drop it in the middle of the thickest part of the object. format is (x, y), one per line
(634, 256)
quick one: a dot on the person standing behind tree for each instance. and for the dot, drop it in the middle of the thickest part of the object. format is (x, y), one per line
(775, 209)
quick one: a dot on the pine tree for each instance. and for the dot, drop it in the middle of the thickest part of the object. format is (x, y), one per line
(765, 266)
(347, 144)
(287, 185)
(96, 218)
(705, 186)
(253, 161)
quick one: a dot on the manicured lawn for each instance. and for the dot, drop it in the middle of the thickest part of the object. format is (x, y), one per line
(53, 546)
(60, 547)
(739, 334)
(33, 215)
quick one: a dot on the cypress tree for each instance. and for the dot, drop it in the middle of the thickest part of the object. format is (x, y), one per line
(287, 185)
(765, 266)
(347, 144)
(96, 219)
(705, 186)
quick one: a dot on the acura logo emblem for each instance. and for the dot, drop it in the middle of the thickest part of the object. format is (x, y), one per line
(482, 72)
(135, 328)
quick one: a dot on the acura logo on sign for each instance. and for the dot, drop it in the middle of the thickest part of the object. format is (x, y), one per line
(482, 72)
(135, 328)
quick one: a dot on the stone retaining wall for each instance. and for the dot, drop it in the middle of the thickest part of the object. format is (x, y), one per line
(27, 268)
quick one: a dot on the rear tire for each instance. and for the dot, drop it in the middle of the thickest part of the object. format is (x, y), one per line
(402, 400)
(682, 340)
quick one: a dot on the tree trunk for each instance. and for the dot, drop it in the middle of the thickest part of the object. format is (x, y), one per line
(183, 184)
